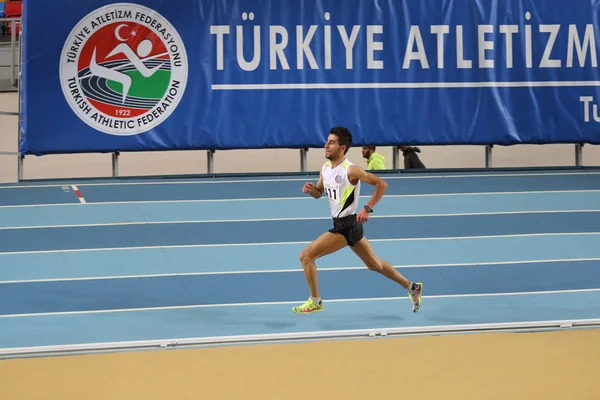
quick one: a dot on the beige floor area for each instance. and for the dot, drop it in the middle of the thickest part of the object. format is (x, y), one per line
(532, 366)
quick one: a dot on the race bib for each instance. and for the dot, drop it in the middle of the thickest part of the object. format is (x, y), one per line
(333, 193)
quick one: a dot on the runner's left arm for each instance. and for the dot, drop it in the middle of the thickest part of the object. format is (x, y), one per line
(356, 173)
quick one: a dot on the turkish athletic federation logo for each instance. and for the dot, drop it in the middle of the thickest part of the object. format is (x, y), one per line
(123, 69)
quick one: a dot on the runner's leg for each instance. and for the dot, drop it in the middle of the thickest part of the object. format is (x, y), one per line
(325, 244)
(365, 251)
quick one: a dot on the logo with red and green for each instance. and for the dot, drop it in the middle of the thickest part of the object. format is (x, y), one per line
(123, 69)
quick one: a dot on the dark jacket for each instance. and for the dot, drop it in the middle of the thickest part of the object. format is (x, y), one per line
(411, 158)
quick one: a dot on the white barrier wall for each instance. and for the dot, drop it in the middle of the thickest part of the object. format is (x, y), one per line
(195, 162)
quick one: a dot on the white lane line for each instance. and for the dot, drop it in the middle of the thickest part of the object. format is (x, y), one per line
(205, 221)
(296, 270)
(272, 303)
(188, 246)
(311, 177)
(305, 198)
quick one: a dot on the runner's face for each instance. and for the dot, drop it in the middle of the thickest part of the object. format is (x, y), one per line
(333, 150)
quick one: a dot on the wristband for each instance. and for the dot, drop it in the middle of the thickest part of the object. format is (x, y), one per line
(369, 209)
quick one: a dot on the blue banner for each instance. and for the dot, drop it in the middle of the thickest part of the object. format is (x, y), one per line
(239, 74)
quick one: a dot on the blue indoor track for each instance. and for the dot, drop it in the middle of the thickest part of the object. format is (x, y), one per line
(106, 264)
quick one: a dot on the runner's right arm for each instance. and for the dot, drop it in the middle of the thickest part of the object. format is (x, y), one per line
(314, 191)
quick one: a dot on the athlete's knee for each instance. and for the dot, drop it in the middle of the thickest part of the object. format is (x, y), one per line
(306, 257)
(375, 264)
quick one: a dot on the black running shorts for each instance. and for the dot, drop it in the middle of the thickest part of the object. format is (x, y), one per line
(349, 228)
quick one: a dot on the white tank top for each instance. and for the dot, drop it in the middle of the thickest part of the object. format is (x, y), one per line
(342, 195)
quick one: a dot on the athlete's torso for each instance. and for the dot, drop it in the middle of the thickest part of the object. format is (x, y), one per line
(342, 195)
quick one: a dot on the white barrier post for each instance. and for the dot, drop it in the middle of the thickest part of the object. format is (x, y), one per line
(396, 157)
(578, 155)
(20, 166)
(303, 160)
(210, 162)
(20, 157)
(115, 164)
(488, 156)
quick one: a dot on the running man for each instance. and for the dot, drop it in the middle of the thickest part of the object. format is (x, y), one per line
(340, 181)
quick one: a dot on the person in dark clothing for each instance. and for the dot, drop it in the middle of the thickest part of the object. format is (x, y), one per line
(411, 158)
